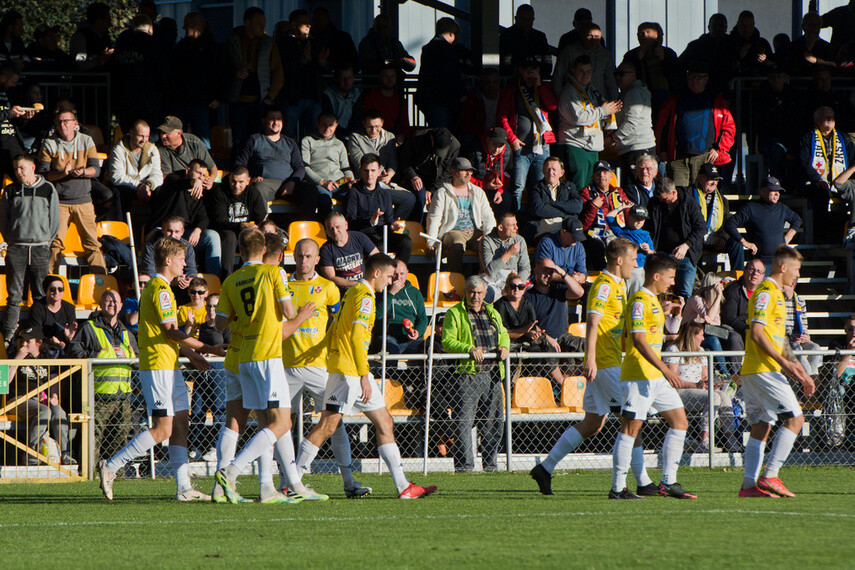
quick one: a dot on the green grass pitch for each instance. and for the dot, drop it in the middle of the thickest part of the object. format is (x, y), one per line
(494, 520)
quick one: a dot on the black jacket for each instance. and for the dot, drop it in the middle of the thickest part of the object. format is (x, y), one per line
(417, 157)
(362, 203)
(226, 211)
(692, 223)
(541, 205)
(196, 76)
(734, 307)
(638, 194)
(174, 199)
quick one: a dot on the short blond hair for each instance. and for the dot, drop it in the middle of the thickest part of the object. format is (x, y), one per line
(167, 247)
(785, 254)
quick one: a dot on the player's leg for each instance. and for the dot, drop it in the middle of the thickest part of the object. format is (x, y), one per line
(157, 390)
(761, 412)
(789, 411)
(637, 399)
(672, 450)
(311, 444)
(569, 440)
(391, 454)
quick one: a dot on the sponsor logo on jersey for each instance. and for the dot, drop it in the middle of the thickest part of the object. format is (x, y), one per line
(654, 329)
(164, 299)
(603, 292)
(638, 309)
(366, 306)
(762, 301)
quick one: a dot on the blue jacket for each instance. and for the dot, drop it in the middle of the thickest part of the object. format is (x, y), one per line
(635, 236)
(570, 259)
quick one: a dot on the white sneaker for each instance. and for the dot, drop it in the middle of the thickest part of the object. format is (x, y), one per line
(210, 455)
(107, 477)
(192, 494)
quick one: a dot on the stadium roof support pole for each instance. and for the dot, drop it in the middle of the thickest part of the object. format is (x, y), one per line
(797, 18)
(611, 26)
(438, 244)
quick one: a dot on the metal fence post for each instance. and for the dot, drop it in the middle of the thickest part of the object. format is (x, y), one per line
(508, 421)
(435, 300)
(711, 409)
(90, 389)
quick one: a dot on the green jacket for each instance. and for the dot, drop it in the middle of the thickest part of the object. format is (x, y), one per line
(457, 335)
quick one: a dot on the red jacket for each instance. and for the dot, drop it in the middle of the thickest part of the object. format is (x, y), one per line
(492, 168)
(506, 114)
(666, 127)
(589, 212)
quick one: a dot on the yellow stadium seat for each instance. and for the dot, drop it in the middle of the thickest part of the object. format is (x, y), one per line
(66, 294)
(735, 274)
(533, 395)
(117, 134)
(7, 180)
(97, 137)
(308, 229)
(414, 281)
(394, 393)
(572, 393)
(213, 283)
(91, 288)
(577, 329)
(450, 284)
(73, 245)
(118, 230)
(419, 242)
(592, 276)
(514, 410)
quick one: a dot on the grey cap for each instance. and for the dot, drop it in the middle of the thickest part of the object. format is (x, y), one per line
(461, 163)
(170, 123)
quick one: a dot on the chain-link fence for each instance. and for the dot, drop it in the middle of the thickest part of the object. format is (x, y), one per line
(450, 416)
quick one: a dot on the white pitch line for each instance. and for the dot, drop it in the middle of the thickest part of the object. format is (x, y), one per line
(418, 517)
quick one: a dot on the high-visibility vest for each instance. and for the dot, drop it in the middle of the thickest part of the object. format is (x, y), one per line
(112, 378)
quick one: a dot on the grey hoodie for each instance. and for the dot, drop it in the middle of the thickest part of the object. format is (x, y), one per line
(30, 214)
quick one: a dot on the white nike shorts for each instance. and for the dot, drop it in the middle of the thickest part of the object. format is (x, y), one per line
(233, 391)
(165, 392)
(603, 394)
(638, 397)
(343, 395)
(768, 398)
(264, 384)
(313, 379)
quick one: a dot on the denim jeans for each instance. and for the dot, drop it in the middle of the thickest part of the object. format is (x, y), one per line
(303, 115)
(713, 344)
(526, 164)
(23, 260)
(198, 119)
(685, 280)
(209, 249)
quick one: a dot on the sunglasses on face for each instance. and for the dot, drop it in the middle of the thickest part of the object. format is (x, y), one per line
(197, 292)
(56, 289)
(517, 286)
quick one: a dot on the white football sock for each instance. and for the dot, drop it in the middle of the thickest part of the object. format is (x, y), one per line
(392, 456)
(672, 452)
(639, 469)
(180, 467)
(569, 440)
(284, 450)
(341, 449)
(265, 474)
(308, 452)
(226, 446)
(752, 459)
(621, 458)
(781, 448)
(141, 443)
(259, 443)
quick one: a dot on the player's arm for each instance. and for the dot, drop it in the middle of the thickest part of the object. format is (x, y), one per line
(175, 334)
(283, 295)
(196, 360)
(223, 321)
(639, 341)
(791, 368)
(290, 326)
(589, 366)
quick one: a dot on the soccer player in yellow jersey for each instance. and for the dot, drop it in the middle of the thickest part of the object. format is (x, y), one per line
(237, 414)
(647, 383)
(257, 296)
(768, 395)
(604, 329)
(351, 388)
(304, 352)
(160, 342)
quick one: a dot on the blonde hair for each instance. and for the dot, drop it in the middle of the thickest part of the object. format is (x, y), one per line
(167, 247)
(685, 341)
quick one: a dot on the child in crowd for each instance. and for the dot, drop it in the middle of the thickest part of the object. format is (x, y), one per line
(635, 216)
(192, 315)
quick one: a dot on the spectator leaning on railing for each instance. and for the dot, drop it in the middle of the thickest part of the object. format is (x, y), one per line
(104, 336)
(474, 327)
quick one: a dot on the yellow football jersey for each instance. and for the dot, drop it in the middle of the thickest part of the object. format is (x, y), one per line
(232, 359)
(253, 294)
(157, 306)
(199, 316)
(766, 306)
(644, 314)
(607, 298)
(350, 334)
(307, 345)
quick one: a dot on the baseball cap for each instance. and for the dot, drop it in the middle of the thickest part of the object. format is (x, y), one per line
(461, 164)
(639, 212)
(574, 226)
(498, 135)
(441, 141)
(602, 165)
(772, 183)
(170, 123)
(710, 171)
(31, 332)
